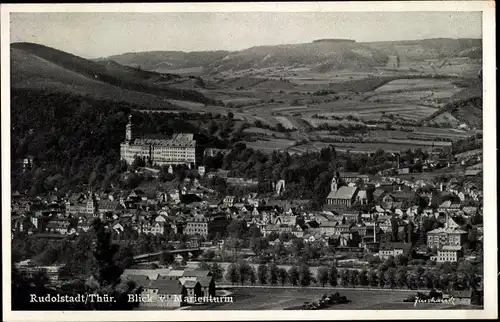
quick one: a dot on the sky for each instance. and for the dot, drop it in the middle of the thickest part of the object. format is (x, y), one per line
(93, 35)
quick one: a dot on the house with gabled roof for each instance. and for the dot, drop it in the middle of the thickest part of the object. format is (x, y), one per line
(164, 293)
(449, 207)
(344, 197)
(298, 231)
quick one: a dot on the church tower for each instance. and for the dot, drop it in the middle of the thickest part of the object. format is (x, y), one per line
(128, 130)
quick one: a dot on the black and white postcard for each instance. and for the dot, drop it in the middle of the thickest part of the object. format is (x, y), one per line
(228, 161)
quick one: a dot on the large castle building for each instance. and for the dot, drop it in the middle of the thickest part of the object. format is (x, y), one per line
(180, 149)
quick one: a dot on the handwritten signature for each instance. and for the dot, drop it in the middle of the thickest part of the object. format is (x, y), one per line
(450, 300)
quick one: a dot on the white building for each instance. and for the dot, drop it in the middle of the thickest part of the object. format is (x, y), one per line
(180, 149)
(449, 254)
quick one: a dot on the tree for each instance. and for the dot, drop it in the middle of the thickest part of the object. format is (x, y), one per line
(401, 260)
(390, 277)
(344, 277)
(252, 275)
(232, 274)
(332, 275)
(293, 275)
(243, 271)
(372, 278)
(237, 229)
(209, 255)
(217, 271)
(166, 258)
(262, 274)
(259, 244)
(390, 262)
(401, 278)
(125, 257)
(381, 278)
(436, 280)
(138, 162)
(132, 181)
(283, 276)
(280, 128)
(429, 280)
(363, 278)
(446, 282)
(273, 274)
(106, 277)
(353, 277)
(411, 281)
(204, 266)
(322, 275)
(305, 275)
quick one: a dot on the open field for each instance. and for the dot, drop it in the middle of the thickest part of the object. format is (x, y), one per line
(280, 299)
(416, 84)
(286, 122)
(469, 153)
(361, 147)
(186, 104)
(271, 145)
(259, 131)
(390, 141)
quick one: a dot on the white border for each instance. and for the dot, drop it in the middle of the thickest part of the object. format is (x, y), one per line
(489, 126)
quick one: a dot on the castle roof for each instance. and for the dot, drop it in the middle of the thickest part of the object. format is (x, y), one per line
(178, 140)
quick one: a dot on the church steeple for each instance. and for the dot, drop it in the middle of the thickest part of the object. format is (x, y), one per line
(128, 130)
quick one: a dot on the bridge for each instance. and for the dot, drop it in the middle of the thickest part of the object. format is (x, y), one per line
(156, 256)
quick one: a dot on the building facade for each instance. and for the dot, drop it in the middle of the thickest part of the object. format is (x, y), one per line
(180, 149)
(449, 254)
(197, 226)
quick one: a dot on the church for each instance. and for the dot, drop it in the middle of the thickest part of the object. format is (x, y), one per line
(180, 149)
(342, 197)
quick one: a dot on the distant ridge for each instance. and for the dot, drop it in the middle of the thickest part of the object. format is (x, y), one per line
(320, 55)
(333, 40)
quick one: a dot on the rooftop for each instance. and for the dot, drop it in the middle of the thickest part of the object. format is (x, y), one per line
(343, 192)
(452, 248)
(196, 273)
(165, 286)
(177, 140)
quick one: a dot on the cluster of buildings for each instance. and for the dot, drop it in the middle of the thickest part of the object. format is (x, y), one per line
(360, 213)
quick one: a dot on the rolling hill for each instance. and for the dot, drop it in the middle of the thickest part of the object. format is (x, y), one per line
(430, 48)
(165, 61)
(39, 67)
(321, 55)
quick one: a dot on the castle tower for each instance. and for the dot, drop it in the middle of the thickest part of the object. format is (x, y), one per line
(128, 130)
(334, 184)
